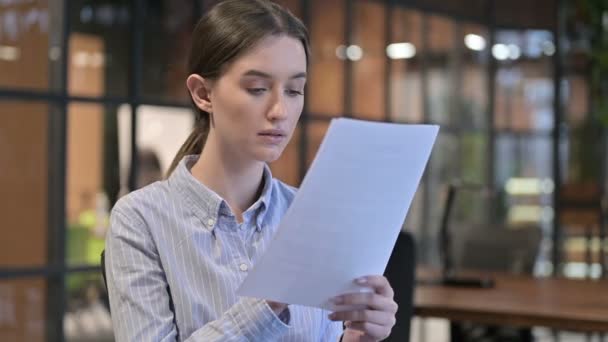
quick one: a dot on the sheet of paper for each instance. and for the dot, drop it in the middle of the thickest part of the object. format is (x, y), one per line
(347, 214)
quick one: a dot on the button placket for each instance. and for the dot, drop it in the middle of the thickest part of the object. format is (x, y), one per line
(243, 256)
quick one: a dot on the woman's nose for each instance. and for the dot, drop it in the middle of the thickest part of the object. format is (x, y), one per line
(277, 109)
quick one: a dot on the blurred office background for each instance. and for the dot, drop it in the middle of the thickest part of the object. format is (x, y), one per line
(93, 105)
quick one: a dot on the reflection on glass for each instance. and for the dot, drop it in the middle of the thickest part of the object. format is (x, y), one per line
(28, 58)
(524, 174)
(537, 157)
(93, 178)
(524, 98)
(24, 182)
(524, 81)
(368, 69)
(442, 60)
(23, 310)
(440, 95)
(326, 77)
(473, 94)
(444, 167)
(287, 167)
(161, 131)
(471, 207)
(584, 158)
(473, 157)
(441, 34)
(523, 165)
(168, 29)
(87, 61)
(123, 117)
(576, 97)
(99, 50)
(406, 87)
(87, 317)
(505, 159)
(316, 132)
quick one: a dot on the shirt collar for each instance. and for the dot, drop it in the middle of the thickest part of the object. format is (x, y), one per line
(206, 204)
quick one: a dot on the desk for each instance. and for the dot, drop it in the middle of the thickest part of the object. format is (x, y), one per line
(523, 301)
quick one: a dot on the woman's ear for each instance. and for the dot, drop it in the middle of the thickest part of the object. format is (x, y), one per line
(200, 91)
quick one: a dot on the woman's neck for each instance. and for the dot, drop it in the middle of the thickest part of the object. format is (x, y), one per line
(238, 183)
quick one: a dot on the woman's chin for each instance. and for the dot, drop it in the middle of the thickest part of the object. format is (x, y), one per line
(268, 155)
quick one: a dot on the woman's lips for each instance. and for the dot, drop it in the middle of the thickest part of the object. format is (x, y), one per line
(271, 139)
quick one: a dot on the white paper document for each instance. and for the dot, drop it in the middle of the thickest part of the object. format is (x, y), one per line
(345, 218)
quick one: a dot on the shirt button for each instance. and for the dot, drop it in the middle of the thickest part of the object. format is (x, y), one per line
(244, 267)
(210, 222)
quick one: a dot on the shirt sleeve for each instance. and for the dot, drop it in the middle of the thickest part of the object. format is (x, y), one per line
(140, 303)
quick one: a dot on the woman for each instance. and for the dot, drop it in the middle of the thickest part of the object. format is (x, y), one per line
(178, 249)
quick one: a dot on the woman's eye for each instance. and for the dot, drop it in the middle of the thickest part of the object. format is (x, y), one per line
(292, 92)
(256, 91)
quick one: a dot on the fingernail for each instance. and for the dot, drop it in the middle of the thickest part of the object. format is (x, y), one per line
(361, 280)
(337, 300)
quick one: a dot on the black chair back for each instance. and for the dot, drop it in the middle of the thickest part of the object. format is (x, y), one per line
(103, 269)
(400, 272)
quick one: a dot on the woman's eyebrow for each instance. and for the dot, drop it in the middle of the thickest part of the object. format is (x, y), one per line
(259, 73)
(298, 75)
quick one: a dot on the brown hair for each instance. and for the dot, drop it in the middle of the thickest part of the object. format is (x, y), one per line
(225, 32)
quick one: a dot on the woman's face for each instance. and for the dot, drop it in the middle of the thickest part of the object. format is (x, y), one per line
(256, 103)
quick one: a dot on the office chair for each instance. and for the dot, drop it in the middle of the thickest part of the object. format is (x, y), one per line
(487, 246)
(105, 296)
(400, 272)
(497, 248)
(103, 269)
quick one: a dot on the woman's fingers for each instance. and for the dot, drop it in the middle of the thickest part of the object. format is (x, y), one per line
(379, 284)
(368, 299)
(370, 316)
(377, 320)
(372, 331)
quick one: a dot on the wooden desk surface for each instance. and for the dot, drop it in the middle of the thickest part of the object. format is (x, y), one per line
(520, 301)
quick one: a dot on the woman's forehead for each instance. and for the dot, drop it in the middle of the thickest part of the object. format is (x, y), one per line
(274, 56)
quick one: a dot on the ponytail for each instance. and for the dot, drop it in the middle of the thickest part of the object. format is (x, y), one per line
(195, 142)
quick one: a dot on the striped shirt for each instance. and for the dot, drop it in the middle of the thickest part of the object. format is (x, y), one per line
(175, 255)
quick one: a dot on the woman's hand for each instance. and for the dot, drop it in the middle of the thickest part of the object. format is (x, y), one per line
(376, 321)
